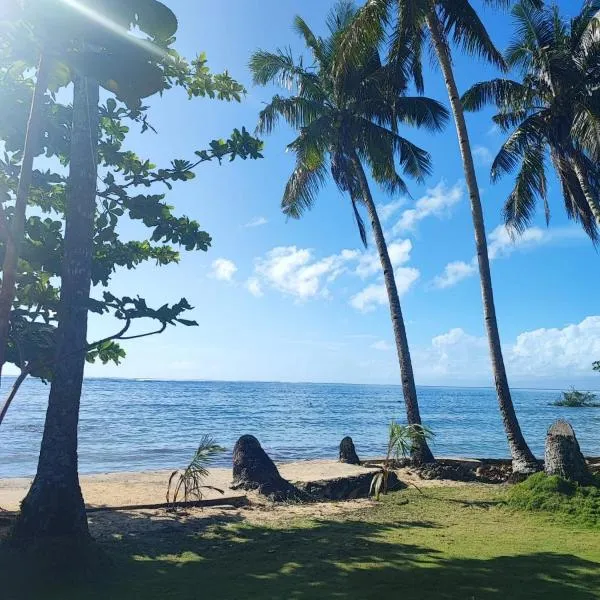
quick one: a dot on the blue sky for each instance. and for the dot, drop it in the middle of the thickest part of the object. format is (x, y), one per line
(300, 300)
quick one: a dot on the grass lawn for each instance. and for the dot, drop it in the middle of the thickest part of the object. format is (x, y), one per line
(446, 543)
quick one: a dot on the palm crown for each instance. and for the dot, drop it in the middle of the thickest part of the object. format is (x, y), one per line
(341, 118)
(554, 112)
(458, 19)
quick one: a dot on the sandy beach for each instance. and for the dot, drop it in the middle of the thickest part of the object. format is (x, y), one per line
(150, 487)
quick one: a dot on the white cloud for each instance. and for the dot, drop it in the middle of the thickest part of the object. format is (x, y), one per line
(453, 273)
(502, 244)
(223, 269)
(482, 156)
(565, 353)
(254, 287)
(375, 295)
(386, 211)
(370, 264)
(436, 202)
(296, 272)
(382, 345)
(550, 351)
(256, 222)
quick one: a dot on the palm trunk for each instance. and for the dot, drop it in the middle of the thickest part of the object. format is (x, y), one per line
(54, 505)
(421, 453)
(14, 234)
(592, 201)
(522, 458)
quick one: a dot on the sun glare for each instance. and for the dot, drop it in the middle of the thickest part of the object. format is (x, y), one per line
(103, 21)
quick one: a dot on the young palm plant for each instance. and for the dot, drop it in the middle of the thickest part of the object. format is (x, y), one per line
(553, 112)
(344, 125)
(402, 440)
(188, 484)
(440, 23)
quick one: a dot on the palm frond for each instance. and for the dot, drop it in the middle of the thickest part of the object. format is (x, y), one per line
(295, 110)
(281, 68)
(530, 185)
(365, 32)
(529, 133)
(190, 483)
(420, 111)
(302, 188)
(462, 24)
(408, 39)
(310, 39)
(504, 93)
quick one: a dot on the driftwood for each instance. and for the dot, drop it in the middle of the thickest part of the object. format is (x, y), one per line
(235, 501)
(348, 452)
(254, 470)
(563, 456)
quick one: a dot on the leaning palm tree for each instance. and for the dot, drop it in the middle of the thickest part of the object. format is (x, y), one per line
(413, 24)
(344, 125)
(553, 112)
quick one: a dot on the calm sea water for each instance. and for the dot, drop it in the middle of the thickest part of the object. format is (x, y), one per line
(131, 425)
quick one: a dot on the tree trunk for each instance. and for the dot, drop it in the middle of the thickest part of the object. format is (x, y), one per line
(54, 505)
(14, 234)
(421, 453)
(253, 469)
(522, 457)
(592, 201)
(348, 452)
(563, 456)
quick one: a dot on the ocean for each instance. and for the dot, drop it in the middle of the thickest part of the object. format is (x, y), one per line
(136, 425)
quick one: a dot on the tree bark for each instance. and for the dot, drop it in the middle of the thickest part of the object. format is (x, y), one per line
(592, 201)
(421, 453)
(253, 469)
(14, 234)
(563, 456)
(522, 457)
(54, 505)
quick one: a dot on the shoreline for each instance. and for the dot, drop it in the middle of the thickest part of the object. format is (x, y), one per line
(145, 487)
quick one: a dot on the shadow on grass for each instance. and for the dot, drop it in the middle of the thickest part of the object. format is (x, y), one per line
(225, 559)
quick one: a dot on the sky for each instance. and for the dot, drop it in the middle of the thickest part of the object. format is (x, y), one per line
(281, 300)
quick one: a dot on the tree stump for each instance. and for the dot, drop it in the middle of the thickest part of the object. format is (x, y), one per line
(348, 452)
(254, 470)
(563, 456)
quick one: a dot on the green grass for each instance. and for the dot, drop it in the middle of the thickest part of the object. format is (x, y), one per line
(566, 500)
(445, 543)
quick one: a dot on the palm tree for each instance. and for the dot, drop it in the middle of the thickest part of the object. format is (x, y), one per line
(553, 112)
(347, 123)
(440, 23)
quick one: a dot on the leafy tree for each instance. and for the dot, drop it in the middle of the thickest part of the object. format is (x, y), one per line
(56, 29)
(344, 124)
(552, 113)
(48, 324)
(443, 23)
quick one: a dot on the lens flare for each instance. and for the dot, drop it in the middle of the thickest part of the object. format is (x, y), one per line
(104, 21)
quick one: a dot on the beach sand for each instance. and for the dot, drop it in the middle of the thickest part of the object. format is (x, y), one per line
(150, 487)
(129, 489)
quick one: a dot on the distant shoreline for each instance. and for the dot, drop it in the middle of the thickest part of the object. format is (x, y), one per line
(319, 383)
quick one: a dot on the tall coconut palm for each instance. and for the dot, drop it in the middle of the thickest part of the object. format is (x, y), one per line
(553, 112)
(346, 124)
(440, 23)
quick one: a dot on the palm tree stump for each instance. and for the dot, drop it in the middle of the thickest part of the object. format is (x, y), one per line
(348, 452)
(563, 457)
(253, 470)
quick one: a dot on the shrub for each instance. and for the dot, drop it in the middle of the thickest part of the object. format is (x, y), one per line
(575, 398)
(552, 494)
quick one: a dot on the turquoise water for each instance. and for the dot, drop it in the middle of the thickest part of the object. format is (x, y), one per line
(130, 425)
